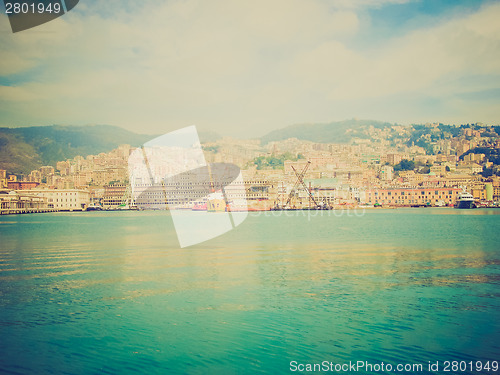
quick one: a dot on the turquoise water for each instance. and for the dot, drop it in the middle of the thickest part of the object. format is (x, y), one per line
(112, 293)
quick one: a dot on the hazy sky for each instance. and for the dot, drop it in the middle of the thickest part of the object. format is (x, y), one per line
(246, 67)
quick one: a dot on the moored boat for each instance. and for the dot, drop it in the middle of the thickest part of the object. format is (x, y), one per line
(93, 207)
(465, 201)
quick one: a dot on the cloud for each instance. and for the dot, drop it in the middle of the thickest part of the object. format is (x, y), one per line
(178, 57)
(422, 60)
(235, 66)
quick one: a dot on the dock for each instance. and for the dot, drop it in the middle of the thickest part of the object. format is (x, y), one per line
(18, 211)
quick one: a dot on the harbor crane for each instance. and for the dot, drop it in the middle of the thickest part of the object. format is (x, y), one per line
(300, 181)
(300, 178)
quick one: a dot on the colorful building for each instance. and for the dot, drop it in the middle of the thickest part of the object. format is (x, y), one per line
(113, 195)
(412, 196)
(22, 185)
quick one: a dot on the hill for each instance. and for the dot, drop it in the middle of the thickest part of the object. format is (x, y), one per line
(25, 149)
(333, 132)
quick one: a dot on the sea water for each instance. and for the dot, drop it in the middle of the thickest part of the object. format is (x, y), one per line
(113, 293)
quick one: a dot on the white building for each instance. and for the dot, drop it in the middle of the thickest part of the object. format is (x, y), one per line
(65, 199)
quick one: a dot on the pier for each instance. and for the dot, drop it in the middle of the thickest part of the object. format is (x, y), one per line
(17, 211)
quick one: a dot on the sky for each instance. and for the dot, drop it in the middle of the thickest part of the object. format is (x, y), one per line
(244, 68)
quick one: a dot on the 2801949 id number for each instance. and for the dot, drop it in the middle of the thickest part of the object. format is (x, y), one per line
(23, 8)
(473, 366)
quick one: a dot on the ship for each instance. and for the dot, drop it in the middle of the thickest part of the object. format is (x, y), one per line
(214, 202)
(200, 205)
(93, 207)
(465, 200)
(127, 206)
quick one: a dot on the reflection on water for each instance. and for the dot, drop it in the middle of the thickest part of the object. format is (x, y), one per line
(113, 293)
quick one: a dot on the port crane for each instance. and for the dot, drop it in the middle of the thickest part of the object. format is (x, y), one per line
(300, 181)
(300, 178)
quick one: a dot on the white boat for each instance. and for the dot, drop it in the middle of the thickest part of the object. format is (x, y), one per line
(465, 200)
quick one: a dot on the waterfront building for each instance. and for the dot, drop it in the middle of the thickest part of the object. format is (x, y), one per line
(187, 189)
(64, 199)
(496, 191)
(412, 196)
(20, 201)
(113, 195)
(483, 191)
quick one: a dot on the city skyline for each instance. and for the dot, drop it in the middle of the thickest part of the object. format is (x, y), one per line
(243, 70)
(427, 165)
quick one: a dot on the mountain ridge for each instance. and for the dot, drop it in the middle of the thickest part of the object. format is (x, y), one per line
(330, 132)
(27, 148)
(24, 149)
